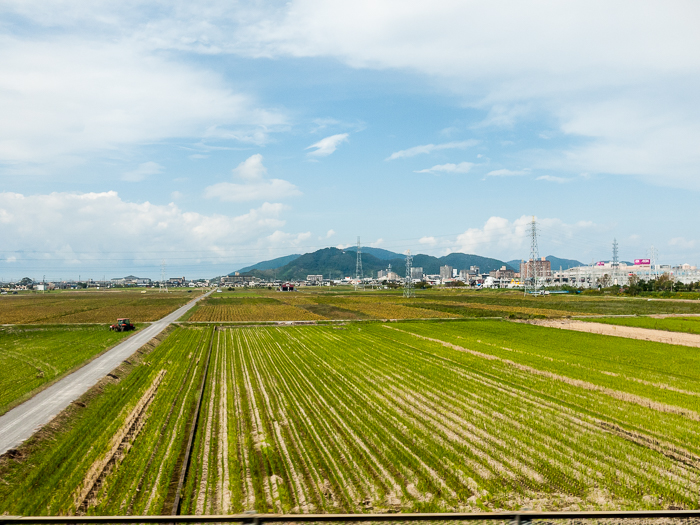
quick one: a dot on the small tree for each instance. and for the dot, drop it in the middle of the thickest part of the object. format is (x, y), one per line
(633, 287)
(663, 283)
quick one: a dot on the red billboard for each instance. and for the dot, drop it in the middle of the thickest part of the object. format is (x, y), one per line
(642, 261)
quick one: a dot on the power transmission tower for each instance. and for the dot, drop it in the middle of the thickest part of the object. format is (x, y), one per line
(615, 263)
(532, 281)
(163, 283)
(408, 281)
(358, 267)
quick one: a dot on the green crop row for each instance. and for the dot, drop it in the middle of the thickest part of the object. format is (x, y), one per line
(54, 464)
(31, 358)
(417, 416)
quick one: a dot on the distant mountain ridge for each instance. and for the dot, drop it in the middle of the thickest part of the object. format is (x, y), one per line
(379, 253)
(335, 264)
(269, 265)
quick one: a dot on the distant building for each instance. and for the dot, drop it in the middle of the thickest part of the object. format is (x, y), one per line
(417, 273)
(505, 273)
(542, 266)
(445, 272)
(387, 275)
(314, 278)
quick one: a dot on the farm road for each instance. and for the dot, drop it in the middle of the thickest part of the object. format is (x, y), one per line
(632, 332)
(21, 422)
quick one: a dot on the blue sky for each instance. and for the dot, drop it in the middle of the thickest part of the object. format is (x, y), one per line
(219, 134)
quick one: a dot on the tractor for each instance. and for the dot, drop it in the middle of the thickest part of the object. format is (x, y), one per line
(123, 325)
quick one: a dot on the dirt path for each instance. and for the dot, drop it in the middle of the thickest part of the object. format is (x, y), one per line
(631, 332)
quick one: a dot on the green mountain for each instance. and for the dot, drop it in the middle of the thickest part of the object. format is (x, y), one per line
(269, 265)
(379, 253)
(336, 264)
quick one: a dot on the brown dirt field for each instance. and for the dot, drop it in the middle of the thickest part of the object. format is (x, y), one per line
(631, 332)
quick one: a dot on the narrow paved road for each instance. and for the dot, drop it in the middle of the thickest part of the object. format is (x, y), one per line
(21, 422)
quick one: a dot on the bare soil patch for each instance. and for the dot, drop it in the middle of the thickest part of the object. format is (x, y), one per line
(631, 332)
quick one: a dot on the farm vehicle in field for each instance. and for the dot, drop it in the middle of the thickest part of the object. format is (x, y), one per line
(123, 325)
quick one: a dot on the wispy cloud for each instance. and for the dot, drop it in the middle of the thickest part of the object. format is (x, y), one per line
(462, 167)
(507, 173)
(325, 147)
(552, 178)
(429, 148)
(430, 241)
(143, 171)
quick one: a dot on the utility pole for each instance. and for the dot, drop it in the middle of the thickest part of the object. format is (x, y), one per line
(408, 282)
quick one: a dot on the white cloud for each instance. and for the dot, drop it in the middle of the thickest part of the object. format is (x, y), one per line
(377, 243)
(325, 147)
(281, 238)
(83, 230)
(462, 167)
(552, 178)
(429, 148)
(330, 234)
(430, 241)
(506, 239)
(251, 168)
(176, 195)
(507, 173)
(65, 98)
(143, 171)
(589, 76)
(273, 189)
(255, 186)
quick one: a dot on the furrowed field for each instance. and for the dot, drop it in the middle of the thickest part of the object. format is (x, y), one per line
(317, 304)
(456, 415)
(33, 357)
(90, 306)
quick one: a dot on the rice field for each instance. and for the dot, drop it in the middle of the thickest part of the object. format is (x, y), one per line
(314, 304)
(414, 416)
(32, 357)
(72, 307)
